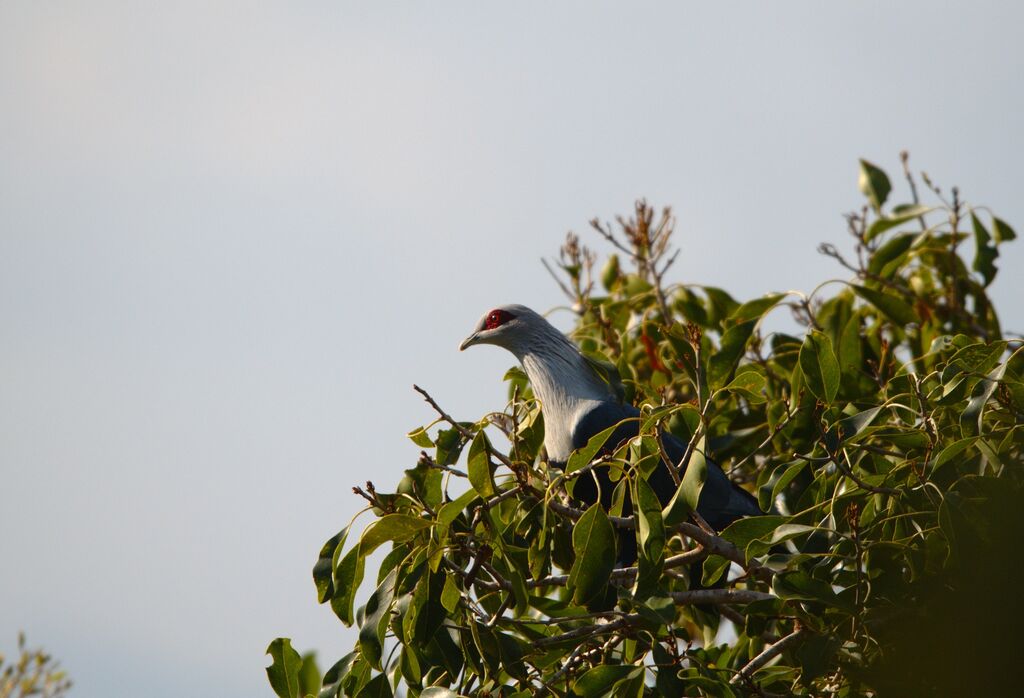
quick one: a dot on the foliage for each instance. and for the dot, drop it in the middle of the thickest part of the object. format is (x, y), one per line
(884, 437)
(33, 673)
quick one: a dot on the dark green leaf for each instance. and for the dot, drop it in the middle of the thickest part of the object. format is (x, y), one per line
(593, 542)
(599, 680)
(820, 366)
(985, 252)
(744, 531)
(734, 343)
(874, 184)
(375, 620)
(323, 570)
(377, 687)
(347, 578)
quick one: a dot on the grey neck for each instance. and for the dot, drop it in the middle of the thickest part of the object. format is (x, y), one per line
(565, 385)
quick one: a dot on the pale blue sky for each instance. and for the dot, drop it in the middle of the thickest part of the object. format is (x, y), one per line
(233, 235)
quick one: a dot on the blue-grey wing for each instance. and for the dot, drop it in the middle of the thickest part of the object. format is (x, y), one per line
(721, 502)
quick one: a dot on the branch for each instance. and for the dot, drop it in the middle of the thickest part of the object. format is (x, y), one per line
(718, 596)
(466, 433)
(767, 655)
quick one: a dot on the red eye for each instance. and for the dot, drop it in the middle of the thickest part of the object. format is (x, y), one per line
(497, 318)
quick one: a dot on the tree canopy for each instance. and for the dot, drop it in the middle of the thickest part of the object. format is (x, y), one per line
(882, 436)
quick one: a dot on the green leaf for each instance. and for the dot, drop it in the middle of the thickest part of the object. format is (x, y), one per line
(599, 680)
(900, 215)
(849, 428)
(377, 687)
(820, 366)
(593, 542)
(985, 252)
(323, 570)
(769, 491)
(375, 620)
(451, 510)
(420, 437)
(449, 446)
(650, 527)
(755, 309)
(391, 527)
(734, 343)
(743, 532)
(480, 473)
(891, 250)
(751, 384)
(684, 501)
(714, 567)
(970, 419)
(450, 595)
(582, 457)
(438, 692)
(309, 675)
(952, 451)
(894, 308)
(347, 578)
(284, 672)
(1001, 231)
(874, 184)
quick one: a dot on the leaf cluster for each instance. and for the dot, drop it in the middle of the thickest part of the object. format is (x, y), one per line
(883, 437)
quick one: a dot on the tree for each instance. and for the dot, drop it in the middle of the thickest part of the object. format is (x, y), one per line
(33, 673)
(884, 439)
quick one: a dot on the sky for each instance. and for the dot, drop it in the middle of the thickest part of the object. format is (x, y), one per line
(233, 235)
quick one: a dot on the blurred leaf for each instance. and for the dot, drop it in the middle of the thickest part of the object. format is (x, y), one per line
(734, 343)
(985, 252)
(755, 309)
(1001, 231)
(750, 384)
(892, 307)
(900, 214)
(309, 675)
(874, 184)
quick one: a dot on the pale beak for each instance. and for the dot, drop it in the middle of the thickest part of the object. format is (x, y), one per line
(469, 341)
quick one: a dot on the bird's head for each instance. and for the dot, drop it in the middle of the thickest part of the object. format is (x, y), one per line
(507, 326)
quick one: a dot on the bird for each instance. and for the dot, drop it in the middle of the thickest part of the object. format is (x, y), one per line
(577, 403)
